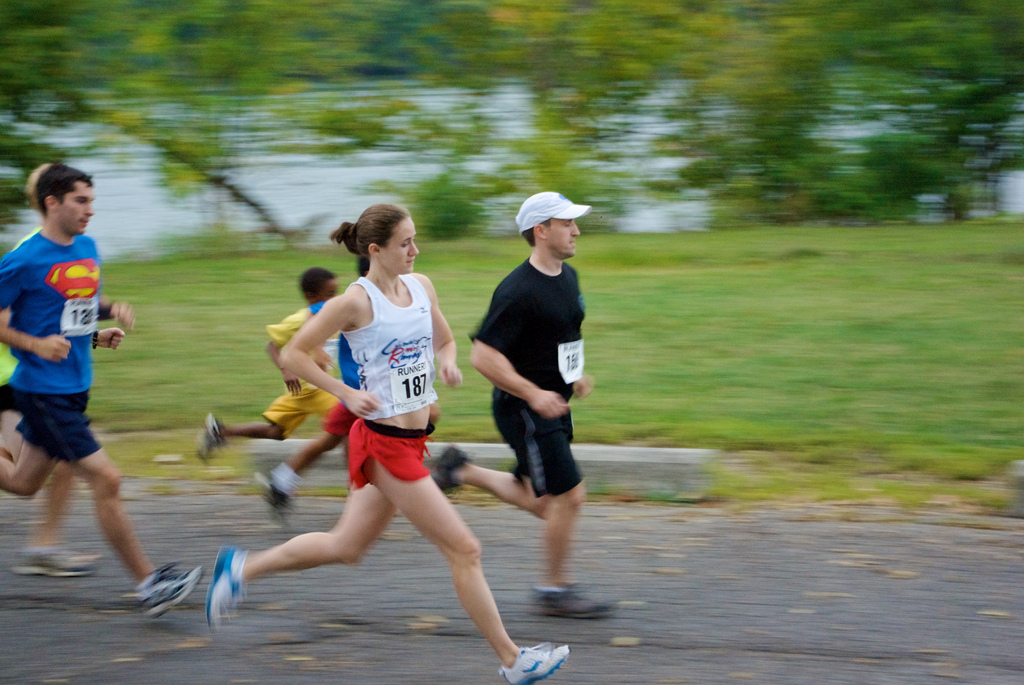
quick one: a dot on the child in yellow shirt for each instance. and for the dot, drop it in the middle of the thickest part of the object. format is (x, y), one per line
(302, 400)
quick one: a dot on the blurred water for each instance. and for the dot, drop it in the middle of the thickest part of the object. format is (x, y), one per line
(135, 214)
(1011, 192)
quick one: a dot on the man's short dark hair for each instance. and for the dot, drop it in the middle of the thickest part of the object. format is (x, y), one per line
(528, 234)
(313, 280)
(58, 180)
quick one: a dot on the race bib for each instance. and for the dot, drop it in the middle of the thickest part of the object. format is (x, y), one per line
(410, 387)
(331, 348)
(570, 361)
(79, 316)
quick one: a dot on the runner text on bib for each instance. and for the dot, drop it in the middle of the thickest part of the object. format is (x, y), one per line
(410, 387)
(570, 361)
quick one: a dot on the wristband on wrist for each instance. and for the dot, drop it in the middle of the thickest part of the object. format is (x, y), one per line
(95, 339)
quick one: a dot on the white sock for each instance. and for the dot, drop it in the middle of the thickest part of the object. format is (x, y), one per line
(285, 479)
(32, 551)
(145, 588)
(237, 564)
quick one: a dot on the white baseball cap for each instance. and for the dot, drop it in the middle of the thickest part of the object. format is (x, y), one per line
(543, 206)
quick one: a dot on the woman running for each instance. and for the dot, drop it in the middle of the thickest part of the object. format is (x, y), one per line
(395, 328)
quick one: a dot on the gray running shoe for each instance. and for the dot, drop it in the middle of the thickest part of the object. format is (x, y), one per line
(535, 663)
(443, 471)
(168, 588)
(570, 603)
(58, 563)
(280, 501)
(210, 438)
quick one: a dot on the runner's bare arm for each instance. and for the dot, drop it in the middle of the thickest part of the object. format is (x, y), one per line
(291, 381)
(109, 337)
(347, 312)
(495, 367)
(583, 386)
(52, 348)
(444, 342)
(122, 311)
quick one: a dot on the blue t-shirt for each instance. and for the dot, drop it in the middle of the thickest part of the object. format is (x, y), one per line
(53, 289)
(348, 366)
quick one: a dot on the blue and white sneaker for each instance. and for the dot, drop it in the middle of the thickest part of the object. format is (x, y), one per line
(535, 663)
(226, 587)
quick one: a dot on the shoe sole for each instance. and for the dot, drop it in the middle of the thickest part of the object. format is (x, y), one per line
(186, 590)
(543, 611)
(546, 675)
(51, 572)
(549, 673)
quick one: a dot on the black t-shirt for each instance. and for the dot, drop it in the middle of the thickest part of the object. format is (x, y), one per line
(531, 314)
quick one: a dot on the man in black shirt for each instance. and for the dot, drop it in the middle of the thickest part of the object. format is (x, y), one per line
(530, 348)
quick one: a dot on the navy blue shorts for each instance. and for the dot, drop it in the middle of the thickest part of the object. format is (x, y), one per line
(7, 399)
(57, 423)
(541, 446)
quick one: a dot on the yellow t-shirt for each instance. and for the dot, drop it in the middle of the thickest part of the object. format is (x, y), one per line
(281, 333)
(7, 360)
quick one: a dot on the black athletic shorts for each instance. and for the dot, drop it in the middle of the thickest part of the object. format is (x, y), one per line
(57, 423)
(7, 398)
(541, 446)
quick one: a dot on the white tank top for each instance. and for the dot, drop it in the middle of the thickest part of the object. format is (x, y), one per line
(395, 352)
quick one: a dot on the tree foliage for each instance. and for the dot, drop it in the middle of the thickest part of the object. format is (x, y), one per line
(40, 85)
(791, 110)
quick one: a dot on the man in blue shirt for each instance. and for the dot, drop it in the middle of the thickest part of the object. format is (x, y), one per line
(51, 284)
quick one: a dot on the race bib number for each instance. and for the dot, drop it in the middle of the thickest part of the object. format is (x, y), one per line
(331, 348)
(570, 361)
(410, 387)
(79, 316)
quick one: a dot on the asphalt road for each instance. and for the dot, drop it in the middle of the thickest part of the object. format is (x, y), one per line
(704, 595)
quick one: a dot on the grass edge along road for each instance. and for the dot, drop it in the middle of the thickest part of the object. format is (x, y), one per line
(839, 363)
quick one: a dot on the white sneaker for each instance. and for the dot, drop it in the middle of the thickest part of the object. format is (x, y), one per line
(166, 588)
(54, 562)
(535, 663)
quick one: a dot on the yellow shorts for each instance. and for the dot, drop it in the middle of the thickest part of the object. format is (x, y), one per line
(289, 411)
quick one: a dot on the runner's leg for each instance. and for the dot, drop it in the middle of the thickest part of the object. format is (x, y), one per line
(427, 508)
(505, 486)
(559, 528)
(28, 475)
(264, 430)
(58, 493)
(305, 457)
(58, 499)
(366, 516)
(105, 480)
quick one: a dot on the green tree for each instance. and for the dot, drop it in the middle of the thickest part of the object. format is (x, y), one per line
(41, 83)
(931, 85)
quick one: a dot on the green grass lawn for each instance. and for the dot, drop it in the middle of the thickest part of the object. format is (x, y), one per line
(843, 353)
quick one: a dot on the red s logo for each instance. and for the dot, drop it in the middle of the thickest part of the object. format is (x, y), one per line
(80, 278)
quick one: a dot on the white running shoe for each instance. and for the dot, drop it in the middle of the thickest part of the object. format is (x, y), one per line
(535, 663)
(226, 588)
(167, 587)
(54, 562)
